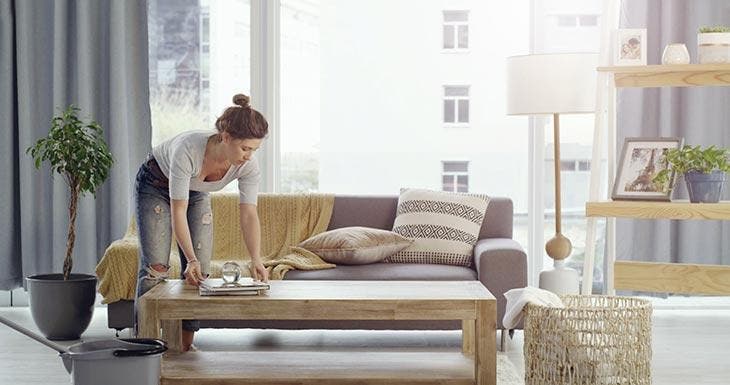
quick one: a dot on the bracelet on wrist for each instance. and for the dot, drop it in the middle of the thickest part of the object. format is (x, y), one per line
(193, 260)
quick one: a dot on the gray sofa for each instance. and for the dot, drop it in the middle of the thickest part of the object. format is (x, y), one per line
(499, 263)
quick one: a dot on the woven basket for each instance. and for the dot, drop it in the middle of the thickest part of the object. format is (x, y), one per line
(593, 340)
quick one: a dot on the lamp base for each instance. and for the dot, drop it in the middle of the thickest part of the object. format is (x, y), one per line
(560, 279)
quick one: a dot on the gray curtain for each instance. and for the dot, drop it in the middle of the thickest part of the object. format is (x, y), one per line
(53, 53)
(699, 114)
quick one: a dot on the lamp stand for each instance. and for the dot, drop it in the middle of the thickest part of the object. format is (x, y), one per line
(560, 279)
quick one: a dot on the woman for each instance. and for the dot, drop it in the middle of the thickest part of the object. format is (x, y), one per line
(171, 197)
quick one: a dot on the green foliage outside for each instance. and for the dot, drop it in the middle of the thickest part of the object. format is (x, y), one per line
(689, 158)
(714, 29)
(76, 150)
(174, 112)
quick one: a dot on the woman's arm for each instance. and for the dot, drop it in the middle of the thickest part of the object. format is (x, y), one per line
(251, 229)
(179, 217)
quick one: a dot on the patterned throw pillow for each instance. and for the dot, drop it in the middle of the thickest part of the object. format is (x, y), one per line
(444, 225)
(355, 245)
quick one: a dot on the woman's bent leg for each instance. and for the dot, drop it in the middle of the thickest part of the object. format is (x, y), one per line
(200, 222)
(155, 235)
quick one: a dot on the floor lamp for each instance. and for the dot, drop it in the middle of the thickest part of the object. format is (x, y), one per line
(553, 84)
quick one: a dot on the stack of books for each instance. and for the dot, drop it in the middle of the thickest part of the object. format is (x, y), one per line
(244, 286)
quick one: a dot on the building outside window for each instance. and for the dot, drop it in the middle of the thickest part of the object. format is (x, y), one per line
(456, 104)
(575, 165)
(572, 21)
(198, 59)
(456, 30)
(455, 176)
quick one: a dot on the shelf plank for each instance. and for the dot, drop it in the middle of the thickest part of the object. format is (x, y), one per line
(680, 278)
(341, 367)
(659, 210)
(682, 75)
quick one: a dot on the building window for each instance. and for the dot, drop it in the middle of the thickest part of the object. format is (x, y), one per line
(588, 20)
(567, 165)
(575, 165)
(566, 20)
(456, 30)
(456, 104)
(572, 21)
(455, 176)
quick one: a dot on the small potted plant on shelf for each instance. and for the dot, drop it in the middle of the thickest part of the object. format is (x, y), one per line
(704, 171)
(62, 304)
(713, 45)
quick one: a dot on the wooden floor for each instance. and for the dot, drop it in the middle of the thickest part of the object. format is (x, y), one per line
(690, 346)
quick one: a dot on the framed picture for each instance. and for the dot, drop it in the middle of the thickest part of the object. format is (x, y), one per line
(630, 47)
(641, 160)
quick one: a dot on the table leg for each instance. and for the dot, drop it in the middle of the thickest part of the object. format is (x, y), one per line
(485, 354)
(148, 323)
(172, 334)
(467, 336)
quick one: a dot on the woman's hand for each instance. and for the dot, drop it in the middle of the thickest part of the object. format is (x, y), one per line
(193, 273)
(258, 271)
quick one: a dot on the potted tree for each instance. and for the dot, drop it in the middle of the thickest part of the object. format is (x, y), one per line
(704, 171)
(62, 304)
(713, 45)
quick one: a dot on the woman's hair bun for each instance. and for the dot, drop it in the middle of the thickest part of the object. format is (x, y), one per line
(241, 100)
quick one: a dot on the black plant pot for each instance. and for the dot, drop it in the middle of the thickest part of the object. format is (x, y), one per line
(704, 188)
(61, 309)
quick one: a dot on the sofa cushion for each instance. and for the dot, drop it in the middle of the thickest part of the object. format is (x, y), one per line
(355, 245)
(444, 225)
(388, 272)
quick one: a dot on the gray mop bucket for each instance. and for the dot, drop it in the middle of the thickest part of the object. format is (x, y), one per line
(109, 362)
(115, 362)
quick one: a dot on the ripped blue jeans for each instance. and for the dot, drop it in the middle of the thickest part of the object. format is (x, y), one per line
(154, 226)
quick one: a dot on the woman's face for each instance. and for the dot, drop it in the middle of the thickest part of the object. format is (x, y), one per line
(239, 151)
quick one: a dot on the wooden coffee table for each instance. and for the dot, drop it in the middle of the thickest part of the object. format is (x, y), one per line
(162, 309)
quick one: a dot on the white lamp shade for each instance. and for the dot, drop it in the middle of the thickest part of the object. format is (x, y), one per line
(562, 83)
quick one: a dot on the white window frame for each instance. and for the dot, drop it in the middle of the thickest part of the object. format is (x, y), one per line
(265, 87)
(204, 77)
(456, 25)
(456, 100)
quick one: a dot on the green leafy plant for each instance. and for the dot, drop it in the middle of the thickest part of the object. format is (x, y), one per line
(77, 151)
(689, 158)
(714, 29)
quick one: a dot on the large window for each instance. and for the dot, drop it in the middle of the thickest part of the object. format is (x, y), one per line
(368, 98)
(198, 59)
(301, 88)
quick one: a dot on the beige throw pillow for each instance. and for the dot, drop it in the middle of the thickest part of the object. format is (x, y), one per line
(355, 245)
(445, 226)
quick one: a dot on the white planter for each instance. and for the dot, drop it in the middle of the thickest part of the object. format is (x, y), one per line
(713, 47)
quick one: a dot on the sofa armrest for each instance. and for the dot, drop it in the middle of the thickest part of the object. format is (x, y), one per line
(501, 265)
(117, 270)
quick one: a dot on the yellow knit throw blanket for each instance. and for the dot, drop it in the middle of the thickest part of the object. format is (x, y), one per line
(286, 220)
